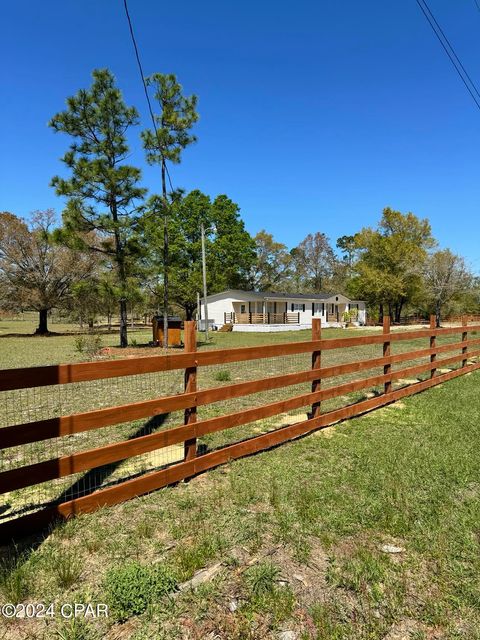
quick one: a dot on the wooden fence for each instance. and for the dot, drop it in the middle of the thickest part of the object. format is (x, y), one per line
(190, 361)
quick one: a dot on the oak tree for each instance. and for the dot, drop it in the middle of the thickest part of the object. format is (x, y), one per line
(35, 272)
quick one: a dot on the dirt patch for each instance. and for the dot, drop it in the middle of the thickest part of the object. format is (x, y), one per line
(405, 630)
(140, 351)
(307, 581)
(288, 419)
(326, 432)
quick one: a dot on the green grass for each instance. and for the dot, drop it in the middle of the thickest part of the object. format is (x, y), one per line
(299, 531)
(18, 348)
(29, 405)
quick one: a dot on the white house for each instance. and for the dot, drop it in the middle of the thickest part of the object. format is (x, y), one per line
(272, 311)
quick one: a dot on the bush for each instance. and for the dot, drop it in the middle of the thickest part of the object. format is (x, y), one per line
(89, 345)
(130, 589)
(222, 376)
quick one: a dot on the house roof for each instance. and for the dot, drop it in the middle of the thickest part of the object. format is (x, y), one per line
(276, 295)
(298, 296)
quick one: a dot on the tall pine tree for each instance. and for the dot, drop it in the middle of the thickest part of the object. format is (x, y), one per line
(171, 135)
(102, 192)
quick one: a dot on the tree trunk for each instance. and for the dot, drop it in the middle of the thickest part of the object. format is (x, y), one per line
(189, 312)
(109, 321)
(123, 323)
(398, 312)
(90, 323)
(42, 322)
(380, 313)
(437, 314)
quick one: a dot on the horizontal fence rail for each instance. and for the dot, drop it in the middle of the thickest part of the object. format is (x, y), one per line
(17, 436)
(68, 373)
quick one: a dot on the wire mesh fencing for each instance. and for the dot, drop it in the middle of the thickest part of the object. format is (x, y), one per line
(273, 380)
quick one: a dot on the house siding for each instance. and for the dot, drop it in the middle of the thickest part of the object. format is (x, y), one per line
(231, 301)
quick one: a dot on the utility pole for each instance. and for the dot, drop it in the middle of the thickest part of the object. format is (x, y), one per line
(204, 269)
(199, 309)
(165, 256)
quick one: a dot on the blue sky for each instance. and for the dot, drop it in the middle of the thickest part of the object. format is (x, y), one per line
(314, 115)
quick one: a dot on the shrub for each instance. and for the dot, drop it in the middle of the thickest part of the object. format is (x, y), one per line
(130, 589)
(89, 345)
(222, 376)
(80, 344)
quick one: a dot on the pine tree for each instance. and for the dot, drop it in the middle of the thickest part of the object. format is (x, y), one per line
(103, 191)
(165, 144)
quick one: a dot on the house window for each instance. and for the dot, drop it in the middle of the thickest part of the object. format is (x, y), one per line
(243, 308)
(298, 307)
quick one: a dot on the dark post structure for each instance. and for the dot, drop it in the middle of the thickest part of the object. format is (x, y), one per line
(316, 364)
(433, 344)
(464, 339)
(387, 352)
(190, 340)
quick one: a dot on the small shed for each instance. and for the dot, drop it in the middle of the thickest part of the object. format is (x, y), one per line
(174, 330)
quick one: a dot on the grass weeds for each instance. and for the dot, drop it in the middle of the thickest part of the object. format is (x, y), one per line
(300, 531)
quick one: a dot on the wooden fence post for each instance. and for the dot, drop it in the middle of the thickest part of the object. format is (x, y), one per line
(316, 364)
(464, 339)
(433, 344)
(386, 352)
(190, 339)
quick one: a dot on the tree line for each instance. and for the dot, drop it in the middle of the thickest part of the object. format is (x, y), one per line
(120, 249)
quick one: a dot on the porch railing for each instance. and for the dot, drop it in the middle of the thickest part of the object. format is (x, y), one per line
(262, 318)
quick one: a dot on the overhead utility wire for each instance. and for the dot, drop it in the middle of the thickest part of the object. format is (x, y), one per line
(451, 48)
(142, 76)
(454, 59)
(477, 5)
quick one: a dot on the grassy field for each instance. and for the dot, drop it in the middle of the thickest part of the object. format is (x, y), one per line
(293, 539)
(19, 349)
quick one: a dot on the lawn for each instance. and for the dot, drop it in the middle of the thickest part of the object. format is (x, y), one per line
(17, 346)
(294, 539)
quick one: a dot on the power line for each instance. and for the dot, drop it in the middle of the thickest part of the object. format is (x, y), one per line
(142, 76)
(450, 51)
(451, 48)
(476, 4)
